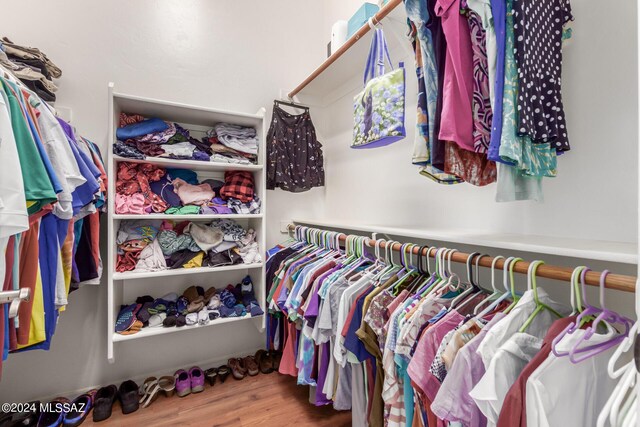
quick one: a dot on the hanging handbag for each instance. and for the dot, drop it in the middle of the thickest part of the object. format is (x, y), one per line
(379, 108)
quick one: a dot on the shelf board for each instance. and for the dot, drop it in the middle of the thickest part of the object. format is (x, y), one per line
(619, 252)
(159, 330)
(350, 59)
(188, 217)
(131, 275)
(189, 164)
(184, 113)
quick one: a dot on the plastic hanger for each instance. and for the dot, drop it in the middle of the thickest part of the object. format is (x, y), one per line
(291, 104)
(471, 286)
(532, 285)
(496, 293)
(475, 283)
(433, 276)
(575, 296)
(508, 272)
(588, 310)
(506, 294)
(609, 317)
(409, 271)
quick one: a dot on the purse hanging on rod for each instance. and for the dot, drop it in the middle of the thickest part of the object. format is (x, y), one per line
(379, 108)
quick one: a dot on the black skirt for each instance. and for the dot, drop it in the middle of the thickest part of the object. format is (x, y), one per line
(294, 155)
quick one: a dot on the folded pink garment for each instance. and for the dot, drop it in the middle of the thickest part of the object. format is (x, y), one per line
(133, 204)
(192, 194)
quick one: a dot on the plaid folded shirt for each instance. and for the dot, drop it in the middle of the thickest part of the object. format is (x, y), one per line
(238, 185)
(252, 207)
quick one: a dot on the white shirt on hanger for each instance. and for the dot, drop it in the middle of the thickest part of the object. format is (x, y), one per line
(509, 325)
(561, 393)
(339, 351)
(503, 371)
(55, 143)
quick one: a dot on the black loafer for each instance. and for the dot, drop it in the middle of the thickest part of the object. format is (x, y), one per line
(105, 397)
(129, 398)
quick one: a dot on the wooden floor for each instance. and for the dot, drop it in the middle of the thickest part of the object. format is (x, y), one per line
(263, 400)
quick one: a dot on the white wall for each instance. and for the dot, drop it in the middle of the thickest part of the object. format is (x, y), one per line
(238, 55)
(227, 54)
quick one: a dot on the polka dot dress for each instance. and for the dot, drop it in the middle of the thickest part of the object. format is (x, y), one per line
(538, 26)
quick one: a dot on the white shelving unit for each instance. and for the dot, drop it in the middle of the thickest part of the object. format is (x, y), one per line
(123, 286)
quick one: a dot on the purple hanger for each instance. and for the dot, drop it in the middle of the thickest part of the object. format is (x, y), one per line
(607, 315)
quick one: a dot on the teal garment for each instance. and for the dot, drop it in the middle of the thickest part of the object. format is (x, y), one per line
(183, 210)
(538, 160)
(402, 363)
(186, 175)
(38, 188)
(55, 182)
(170, 242)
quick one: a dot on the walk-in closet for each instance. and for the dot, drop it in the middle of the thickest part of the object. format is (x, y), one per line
(381, 213)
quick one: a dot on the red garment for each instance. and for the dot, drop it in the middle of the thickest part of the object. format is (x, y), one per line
(238, 185)
(129, 119)
(514, 408)
(288, 361)
(29, 254)
(127, 261)
(474, 168)
(135, 178)
(370, 366)
(352, 309)
(94, 229)
(8, 279)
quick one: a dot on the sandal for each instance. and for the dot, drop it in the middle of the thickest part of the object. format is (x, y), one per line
(251, 366)
(165, 384)
(223, 372)
(168, 385)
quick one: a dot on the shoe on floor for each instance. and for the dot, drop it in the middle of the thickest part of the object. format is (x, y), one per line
(223, 372)
(264, 361)
(238, 370)
(53, 417)
(251, 365)
(183, 383)
(128, 395)
(103, 403)
(82, 405)
(197, 379)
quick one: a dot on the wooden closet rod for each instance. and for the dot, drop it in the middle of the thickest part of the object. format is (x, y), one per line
(619, 282)
(381, 14)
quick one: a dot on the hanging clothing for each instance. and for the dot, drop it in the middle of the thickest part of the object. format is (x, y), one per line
(50, 205)
(539, 61)
(294, 155)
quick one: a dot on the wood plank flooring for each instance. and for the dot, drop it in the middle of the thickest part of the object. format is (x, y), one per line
(263, 400)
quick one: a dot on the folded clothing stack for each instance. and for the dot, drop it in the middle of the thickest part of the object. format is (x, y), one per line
(142, 188)
(233, 143)
(32, 67)
(156, 245)
(194, 307)
(139, 137)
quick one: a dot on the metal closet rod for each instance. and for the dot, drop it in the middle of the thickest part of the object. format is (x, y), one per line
(619, 282)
